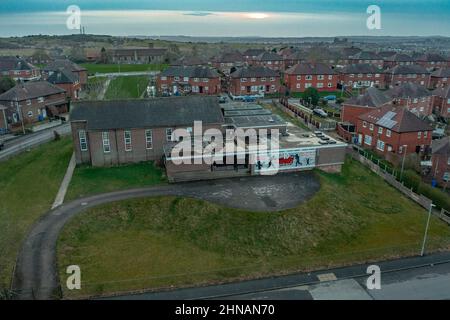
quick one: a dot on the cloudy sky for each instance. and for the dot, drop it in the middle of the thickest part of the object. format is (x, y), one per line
(272, 18)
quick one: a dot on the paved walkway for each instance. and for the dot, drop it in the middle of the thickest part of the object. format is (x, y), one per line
(36, 275)
(65, 183)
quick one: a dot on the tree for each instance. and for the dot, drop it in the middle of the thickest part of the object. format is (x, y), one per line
(311, 96)
(6, 83)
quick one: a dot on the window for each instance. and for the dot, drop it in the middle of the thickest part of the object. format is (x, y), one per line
(448, 161)
(243, 79)
(380, 145)
(308, 77)
(388, 133)
(28, 102)
(319, 85)
(272, 79)
(148, 139)
(320, 77)
(425, 134)
(371, 127)
(169, 134)
(127, 140)
(419, 135)
(352, 75)
(177, 78)
(196, 79)
(253, 79)
(364, 124)
(377, 75)
(299, 77)
(330, 85)
(40, 99)
(30, 114)
(106, 145)
(368, 140)
(380, 130)
(163, 78)
(272, 87)
(205, 80)
(83, 140)
(186, 79)
(330, 77)
(298, 86)
(263, 79)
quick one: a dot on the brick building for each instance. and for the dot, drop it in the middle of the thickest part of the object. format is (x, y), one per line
(190, 61)
(294, 58)
(251, 54)
(68, 81)
(431, 61)
(228, 61)
(416, 98)
(367, 57)
(33, 101)
(408, 73)
(270, 60)
(440, 160)
(254, 80)
(137, 55)
(18, 69)
(188, 80)
(441, 102)
(440, 78)
(393, 129)
(361, 76)
(64, 64)
(398, 59)
(302, 76)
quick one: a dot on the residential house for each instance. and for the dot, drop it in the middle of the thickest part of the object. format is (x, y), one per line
(254, 80)
(440, 78)
(293, 59)
(189, 61)
(398, 59)
(251, 54)
(228, 61)
(114, 132)
(432, 61)
(33, 101)
(270, 60)
(302, 76)
(137, 55)
(64, 64)
(361, 76)
(416, 98)
(188, 80)
(286, 52)
(367, 57)
(67, 80)
(18, 69)
(441, 102)
(440, 160)
(408, 73)
(393, 130)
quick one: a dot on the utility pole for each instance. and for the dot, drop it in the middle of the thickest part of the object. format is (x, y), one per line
(403, 161)
(19, 114)
(426, 229)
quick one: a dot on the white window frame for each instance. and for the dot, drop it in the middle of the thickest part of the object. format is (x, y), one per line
(380, 145)
(388, 133)
(83, 140)
(106, 142)
(149, 139)
(368, 140)
(127, 140)
(380, 130)
(169, 134)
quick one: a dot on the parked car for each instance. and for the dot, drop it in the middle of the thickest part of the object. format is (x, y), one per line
(223, 99)
(320, 113)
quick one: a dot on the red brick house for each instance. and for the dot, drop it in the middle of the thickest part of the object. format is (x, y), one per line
(408, 73)
(393, 129)
(188, 80)
(252, 54)
(440, 160)
(440, 78)
(270, 60)
(68, 65)
(361, 76)
(294, 58)
(432, 61)
(302, 76)
(441, 102)
(254, 80)
(228, 61)
(33, 101)
(398, 59)
(416, 98)
(68, 81)
(3, 119)
(190, 61)
(367, 57)
(18, 69)
(137, 55)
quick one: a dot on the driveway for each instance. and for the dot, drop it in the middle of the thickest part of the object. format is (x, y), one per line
(36, 275)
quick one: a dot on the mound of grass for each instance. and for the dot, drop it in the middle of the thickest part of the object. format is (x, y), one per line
(127, 87)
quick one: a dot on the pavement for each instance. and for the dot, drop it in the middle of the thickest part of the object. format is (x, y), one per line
(65, 183)
(36, 275)
(23, 143)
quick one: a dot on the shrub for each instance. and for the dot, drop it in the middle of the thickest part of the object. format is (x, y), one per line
(440, 198)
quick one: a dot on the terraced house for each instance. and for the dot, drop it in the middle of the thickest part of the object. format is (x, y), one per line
(367, 57)
(18, 69)
(398, 59)
(33, 101)
(362, 75)
(431, 61)
(414, 97)
(188, 80)
(302, 76)
(64, 64)
(254, 80)
(441, 102)
(408, 73)
(270, 60)
(440, 78)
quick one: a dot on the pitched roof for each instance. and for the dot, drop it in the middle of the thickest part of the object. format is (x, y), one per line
(297, 55)
(63, 64)
(442, 92)
(63, 76)
(269, 56)
(386, 54)
(399, 57)
(408, 69)
(138, 51)
(254, 72)
(310, 69)
(190, 71)
(350, 51)
(361, 68)
(396, 118)
(372, 97)
(441, 73)
(145, 113)
(30, 90)
(190, 61)
(431, 57)
(441, 146)
(253, 52)
(8, 63)
(229, 57)
(367, 55)
(408, 90)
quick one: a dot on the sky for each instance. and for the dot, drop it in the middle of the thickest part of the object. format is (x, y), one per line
(266, 18)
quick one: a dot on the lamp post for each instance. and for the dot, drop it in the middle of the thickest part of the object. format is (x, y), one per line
(426, 229)
(403, 161)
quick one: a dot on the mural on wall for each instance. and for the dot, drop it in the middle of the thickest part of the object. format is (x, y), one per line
(286, 160)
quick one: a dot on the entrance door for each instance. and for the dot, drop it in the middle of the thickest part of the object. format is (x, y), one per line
(359, 139)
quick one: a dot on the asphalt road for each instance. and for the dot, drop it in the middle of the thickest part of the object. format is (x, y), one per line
(36, 275)
(23, 143)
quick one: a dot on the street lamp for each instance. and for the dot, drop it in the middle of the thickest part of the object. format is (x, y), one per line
(426, 229)
(403, 161)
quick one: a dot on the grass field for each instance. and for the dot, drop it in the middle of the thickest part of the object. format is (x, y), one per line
(112, 68)
(88, 180)
(126, 87)
(28, 186)
(171, 241)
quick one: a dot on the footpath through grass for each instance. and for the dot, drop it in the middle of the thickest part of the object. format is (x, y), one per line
(113, 68)
(87, 180)
(127, 87)
(171, 241)
(28, 186)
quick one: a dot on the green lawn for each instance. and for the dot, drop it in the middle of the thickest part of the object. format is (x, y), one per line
(111, 68)
(172, 241)
(89, 180)
(127, 87)
(28, 186)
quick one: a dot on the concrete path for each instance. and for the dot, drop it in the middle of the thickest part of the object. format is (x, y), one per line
(65, 183)
(36, 275)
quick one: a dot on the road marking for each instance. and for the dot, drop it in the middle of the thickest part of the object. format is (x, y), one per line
(84, 203)
(326, 277)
